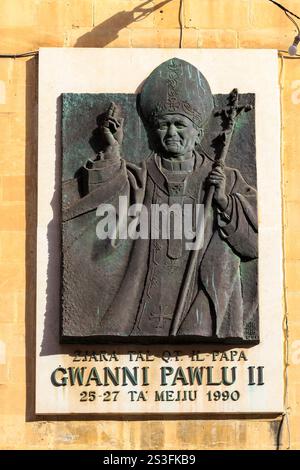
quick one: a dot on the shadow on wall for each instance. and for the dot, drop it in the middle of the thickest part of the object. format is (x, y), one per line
(108, 31)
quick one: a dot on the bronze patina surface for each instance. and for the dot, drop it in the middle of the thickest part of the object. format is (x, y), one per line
(173, 143)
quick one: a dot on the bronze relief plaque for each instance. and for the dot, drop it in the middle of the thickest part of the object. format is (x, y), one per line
(159, 213)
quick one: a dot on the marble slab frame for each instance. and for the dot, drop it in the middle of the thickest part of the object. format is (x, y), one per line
(64, 70)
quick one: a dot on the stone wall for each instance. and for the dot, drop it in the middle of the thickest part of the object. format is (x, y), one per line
(29, 24)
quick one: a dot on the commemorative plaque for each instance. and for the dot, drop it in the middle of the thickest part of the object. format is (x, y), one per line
(158, 288)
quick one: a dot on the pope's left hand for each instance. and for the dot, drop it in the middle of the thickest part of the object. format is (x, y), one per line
(217, 178)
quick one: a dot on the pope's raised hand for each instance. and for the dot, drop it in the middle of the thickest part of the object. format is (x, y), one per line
(112, 132)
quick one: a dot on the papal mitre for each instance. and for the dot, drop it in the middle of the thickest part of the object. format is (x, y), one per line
(176, 87)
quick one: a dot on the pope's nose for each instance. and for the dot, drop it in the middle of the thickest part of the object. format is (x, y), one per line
(171, 130)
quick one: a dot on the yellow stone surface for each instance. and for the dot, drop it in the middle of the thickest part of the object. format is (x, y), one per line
(15, 40)
(4, 375)
(18, 12)
(163, 38)
(30, 24)
(222, 38)
(10, 394)
(60, 15)
(292, 211)
(13, 188)
(293, 300)
(166, 13)
(292, 275)
(265, 38)
(12, 216)
(292, 239)
(12, 246)
(292, 186)
(217, 14)
(266, 14)
(9, 307)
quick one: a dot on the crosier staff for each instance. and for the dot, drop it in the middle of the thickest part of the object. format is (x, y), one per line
(230, 115)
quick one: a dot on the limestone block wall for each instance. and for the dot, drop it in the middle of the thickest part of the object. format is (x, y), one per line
(29, 24)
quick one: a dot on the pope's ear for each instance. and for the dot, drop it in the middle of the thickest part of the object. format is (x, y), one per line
(200, 136)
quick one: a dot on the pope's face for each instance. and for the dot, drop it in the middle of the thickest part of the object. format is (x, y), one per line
(176, 135)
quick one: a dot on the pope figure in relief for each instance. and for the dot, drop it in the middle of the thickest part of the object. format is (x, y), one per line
(134, 291)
